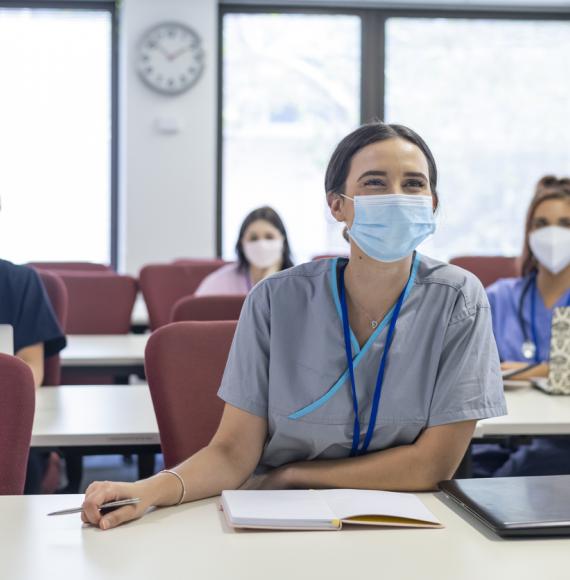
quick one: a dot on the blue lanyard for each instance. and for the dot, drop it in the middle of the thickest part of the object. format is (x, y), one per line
(379, 380)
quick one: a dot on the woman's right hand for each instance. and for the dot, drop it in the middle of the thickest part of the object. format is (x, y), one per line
(100, 492)
(538, 371)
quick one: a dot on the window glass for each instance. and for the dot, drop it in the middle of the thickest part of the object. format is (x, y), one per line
(55, 137)
(490, 97)
(291, 91)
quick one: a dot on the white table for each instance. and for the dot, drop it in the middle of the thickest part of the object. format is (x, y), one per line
(531, 412)
(94, 416)
(139, 316)
(108, 353)
(192, 541)
(109, 415)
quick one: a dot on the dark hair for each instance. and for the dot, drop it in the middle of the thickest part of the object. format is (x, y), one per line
(267, 214)
(339, 164)
(549, 187)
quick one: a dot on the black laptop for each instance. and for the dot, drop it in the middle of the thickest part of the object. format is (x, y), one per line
(516, 506)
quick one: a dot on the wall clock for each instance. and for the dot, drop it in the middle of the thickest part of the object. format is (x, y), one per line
(170, 58)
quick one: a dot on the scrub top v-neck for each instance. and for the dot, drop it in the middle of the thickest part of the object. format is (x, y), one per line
(288, 362)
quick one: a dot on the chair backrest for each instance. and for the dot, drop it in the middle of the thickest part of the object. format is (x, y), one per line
(71, 266)
(57, 294)
(162, 285)
(184, 365)
(198, 261)
(207, 308)
(489, 268)
(327, 256)
(99, 303)
(17, 403)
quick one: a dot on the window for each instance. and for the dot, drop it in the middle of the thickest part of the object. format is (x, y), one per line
(487, 91)
(490, 97)
(285, 106)
(56, 136)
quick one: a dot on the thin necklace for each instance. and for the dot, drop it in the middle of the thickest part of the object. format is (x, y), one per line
(373, 321)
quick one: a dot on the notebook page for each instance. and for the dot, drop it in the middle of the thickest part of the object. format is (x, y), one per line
(347, 503)
(276, 508)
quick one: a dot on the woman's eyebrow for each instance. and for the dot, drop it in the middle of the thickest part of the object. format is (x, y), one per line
(372, 172)
(415, 174)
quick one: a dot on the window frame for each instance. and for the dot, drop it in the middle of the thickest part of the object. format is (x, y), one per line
(373, 55)
(96, 6)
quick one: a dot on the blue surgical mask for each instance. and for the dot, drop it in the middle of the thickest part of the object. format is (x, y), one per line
(390, 227)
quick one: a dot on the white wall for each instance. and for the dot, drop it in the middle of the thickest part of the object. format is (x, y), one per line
(167, 182)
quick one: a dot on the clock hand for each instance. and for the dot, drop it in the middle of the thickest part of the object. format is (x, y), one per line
(179, 52)
(163, 51)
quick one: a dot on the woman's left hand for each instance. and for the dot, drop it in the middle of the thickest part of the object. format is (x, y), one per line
(275, 479)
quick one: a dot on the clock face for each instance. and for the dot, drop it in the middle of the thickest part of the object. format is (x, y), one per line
(170, 58)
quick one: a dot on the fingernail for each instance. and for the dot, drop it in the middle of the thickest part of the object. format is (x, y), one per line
(104, 525)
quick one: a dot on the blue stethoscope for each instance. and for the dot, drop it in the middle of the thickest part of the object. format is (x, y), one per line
(530, 344)
(379, 380)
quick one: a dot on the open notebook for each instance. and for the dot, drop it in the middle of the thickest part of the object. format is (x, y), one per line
(325, 509)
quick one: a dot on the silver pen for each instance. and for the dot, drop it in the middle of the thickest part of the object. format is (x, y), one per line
(106, 507)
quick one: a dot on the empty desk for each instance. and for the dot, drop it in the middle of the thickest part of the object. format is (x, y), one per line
(120, 354)
(96, 419)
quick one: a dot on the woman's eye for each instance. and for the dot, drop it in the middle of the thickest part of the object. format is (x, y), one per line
(415, 183)
(269, 236)
(253, 239)
(374, 183)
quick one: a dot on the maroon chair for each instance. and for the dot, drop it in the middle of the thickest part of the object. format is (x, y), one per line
(489, 268)
(198, 261)
(207, 308)
(327, 256)
(17, 405)
(99, 303)
(71, 266)
(184, 365)
(57, 294)
(163, 284)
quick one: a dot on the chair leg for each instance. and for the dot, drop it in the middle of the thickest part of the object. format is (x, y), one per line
(465, 469)
(146, 465)
(74, 469)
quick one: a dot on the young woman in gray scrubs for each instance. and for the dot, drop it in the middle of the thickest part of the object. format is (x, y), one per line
(362, 373)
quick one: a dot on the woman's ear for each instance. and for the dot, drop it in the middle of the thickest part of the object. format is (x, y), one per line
(336, 204)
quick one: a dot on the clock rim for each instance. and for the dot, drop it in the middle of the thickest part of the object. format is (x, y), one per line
(146, 34)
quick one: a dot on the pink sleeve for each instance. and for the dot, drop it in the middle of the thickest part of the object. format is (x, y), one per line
(226, 280)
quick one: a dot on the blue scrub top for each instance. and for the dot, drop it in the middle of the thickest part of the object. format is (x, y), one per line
(504, 298)
(25, 305)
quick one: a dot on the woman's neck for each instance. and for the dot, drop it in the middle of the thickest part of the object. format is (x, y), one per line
(369, 281)
(257, 274)
(552, 286)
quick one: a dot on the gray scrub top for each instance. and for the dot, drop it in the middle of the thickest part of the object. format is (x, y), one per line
(288, 362)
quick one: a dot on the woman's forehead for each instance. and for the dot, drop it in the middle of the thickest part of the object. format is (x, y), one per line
(390, 155)
(261, 226)
(553, 207)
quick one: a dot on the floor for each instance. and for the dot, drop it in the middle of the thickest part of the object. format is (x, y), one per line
(112, 468)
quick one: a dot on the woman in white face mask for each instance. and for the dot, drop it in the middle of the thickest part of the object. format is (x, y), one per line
(363, 373)
(522, 307)
(522, 319)
(262, 249)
